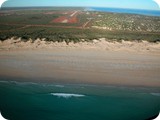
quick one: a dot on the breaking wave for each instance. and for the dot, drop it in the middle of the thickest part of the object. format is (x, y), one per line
(67, 95)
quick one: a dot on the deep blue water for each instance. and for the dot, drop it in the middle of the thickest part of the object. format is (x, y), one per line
(47, 101)
(130, 11)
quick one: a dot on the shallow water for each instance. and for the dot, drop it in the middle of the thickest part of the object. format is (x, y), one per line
(46, 101)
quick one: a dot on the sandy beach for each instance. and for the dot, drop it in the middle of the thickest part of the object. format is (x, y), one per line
(97, 62)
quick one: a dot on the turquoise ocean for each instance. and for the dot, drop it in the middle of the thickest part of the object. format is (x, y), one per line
(128, 11)
(53, 101)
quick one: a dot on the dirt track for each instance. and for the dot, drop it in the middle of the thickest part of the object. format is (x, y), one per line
(41, 25)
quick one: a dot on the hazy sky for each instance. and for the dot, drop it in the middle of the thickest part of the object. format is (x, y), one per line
(136, 4)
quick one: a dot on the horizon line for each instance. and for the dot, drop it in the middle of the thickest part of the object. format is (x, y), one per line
(77, 7)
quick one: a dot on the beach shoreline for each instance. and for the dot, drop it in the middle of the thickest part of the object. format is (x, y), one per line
(97, 62)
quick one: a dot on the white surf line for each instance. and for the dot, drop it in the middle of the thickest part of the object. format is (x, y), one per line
(73, 14)
(60, 86)
(155, 94)
(67, 95)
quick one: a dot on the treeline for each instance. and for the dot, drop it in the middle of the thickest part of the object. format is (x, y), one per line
(76, 35)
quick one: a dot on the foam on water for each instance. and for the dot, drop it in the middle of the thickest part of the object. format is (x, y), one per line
(4, 81)
(60, 86)
(20, 83)
(155, 94)
(67, 95)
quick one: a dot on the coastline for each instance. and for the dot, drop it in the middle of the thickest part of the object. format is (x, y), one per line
(127, 11)
(73, 63)
(97, 62)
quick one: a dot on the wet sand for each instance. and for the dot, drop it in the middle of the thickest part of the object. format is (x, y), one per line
(83, 66)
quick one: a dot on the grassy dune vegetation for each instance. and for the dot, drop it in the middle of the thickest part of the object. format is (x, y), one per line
(37, 23)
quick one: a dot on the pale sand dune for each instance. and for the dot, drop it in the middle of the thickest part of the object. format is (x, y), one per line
(101, 44)
(99, 62)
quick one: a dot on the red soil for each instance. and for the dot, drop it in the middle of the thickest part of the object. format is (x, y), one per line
(68, 18)
(59, 20)
(73, 20)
